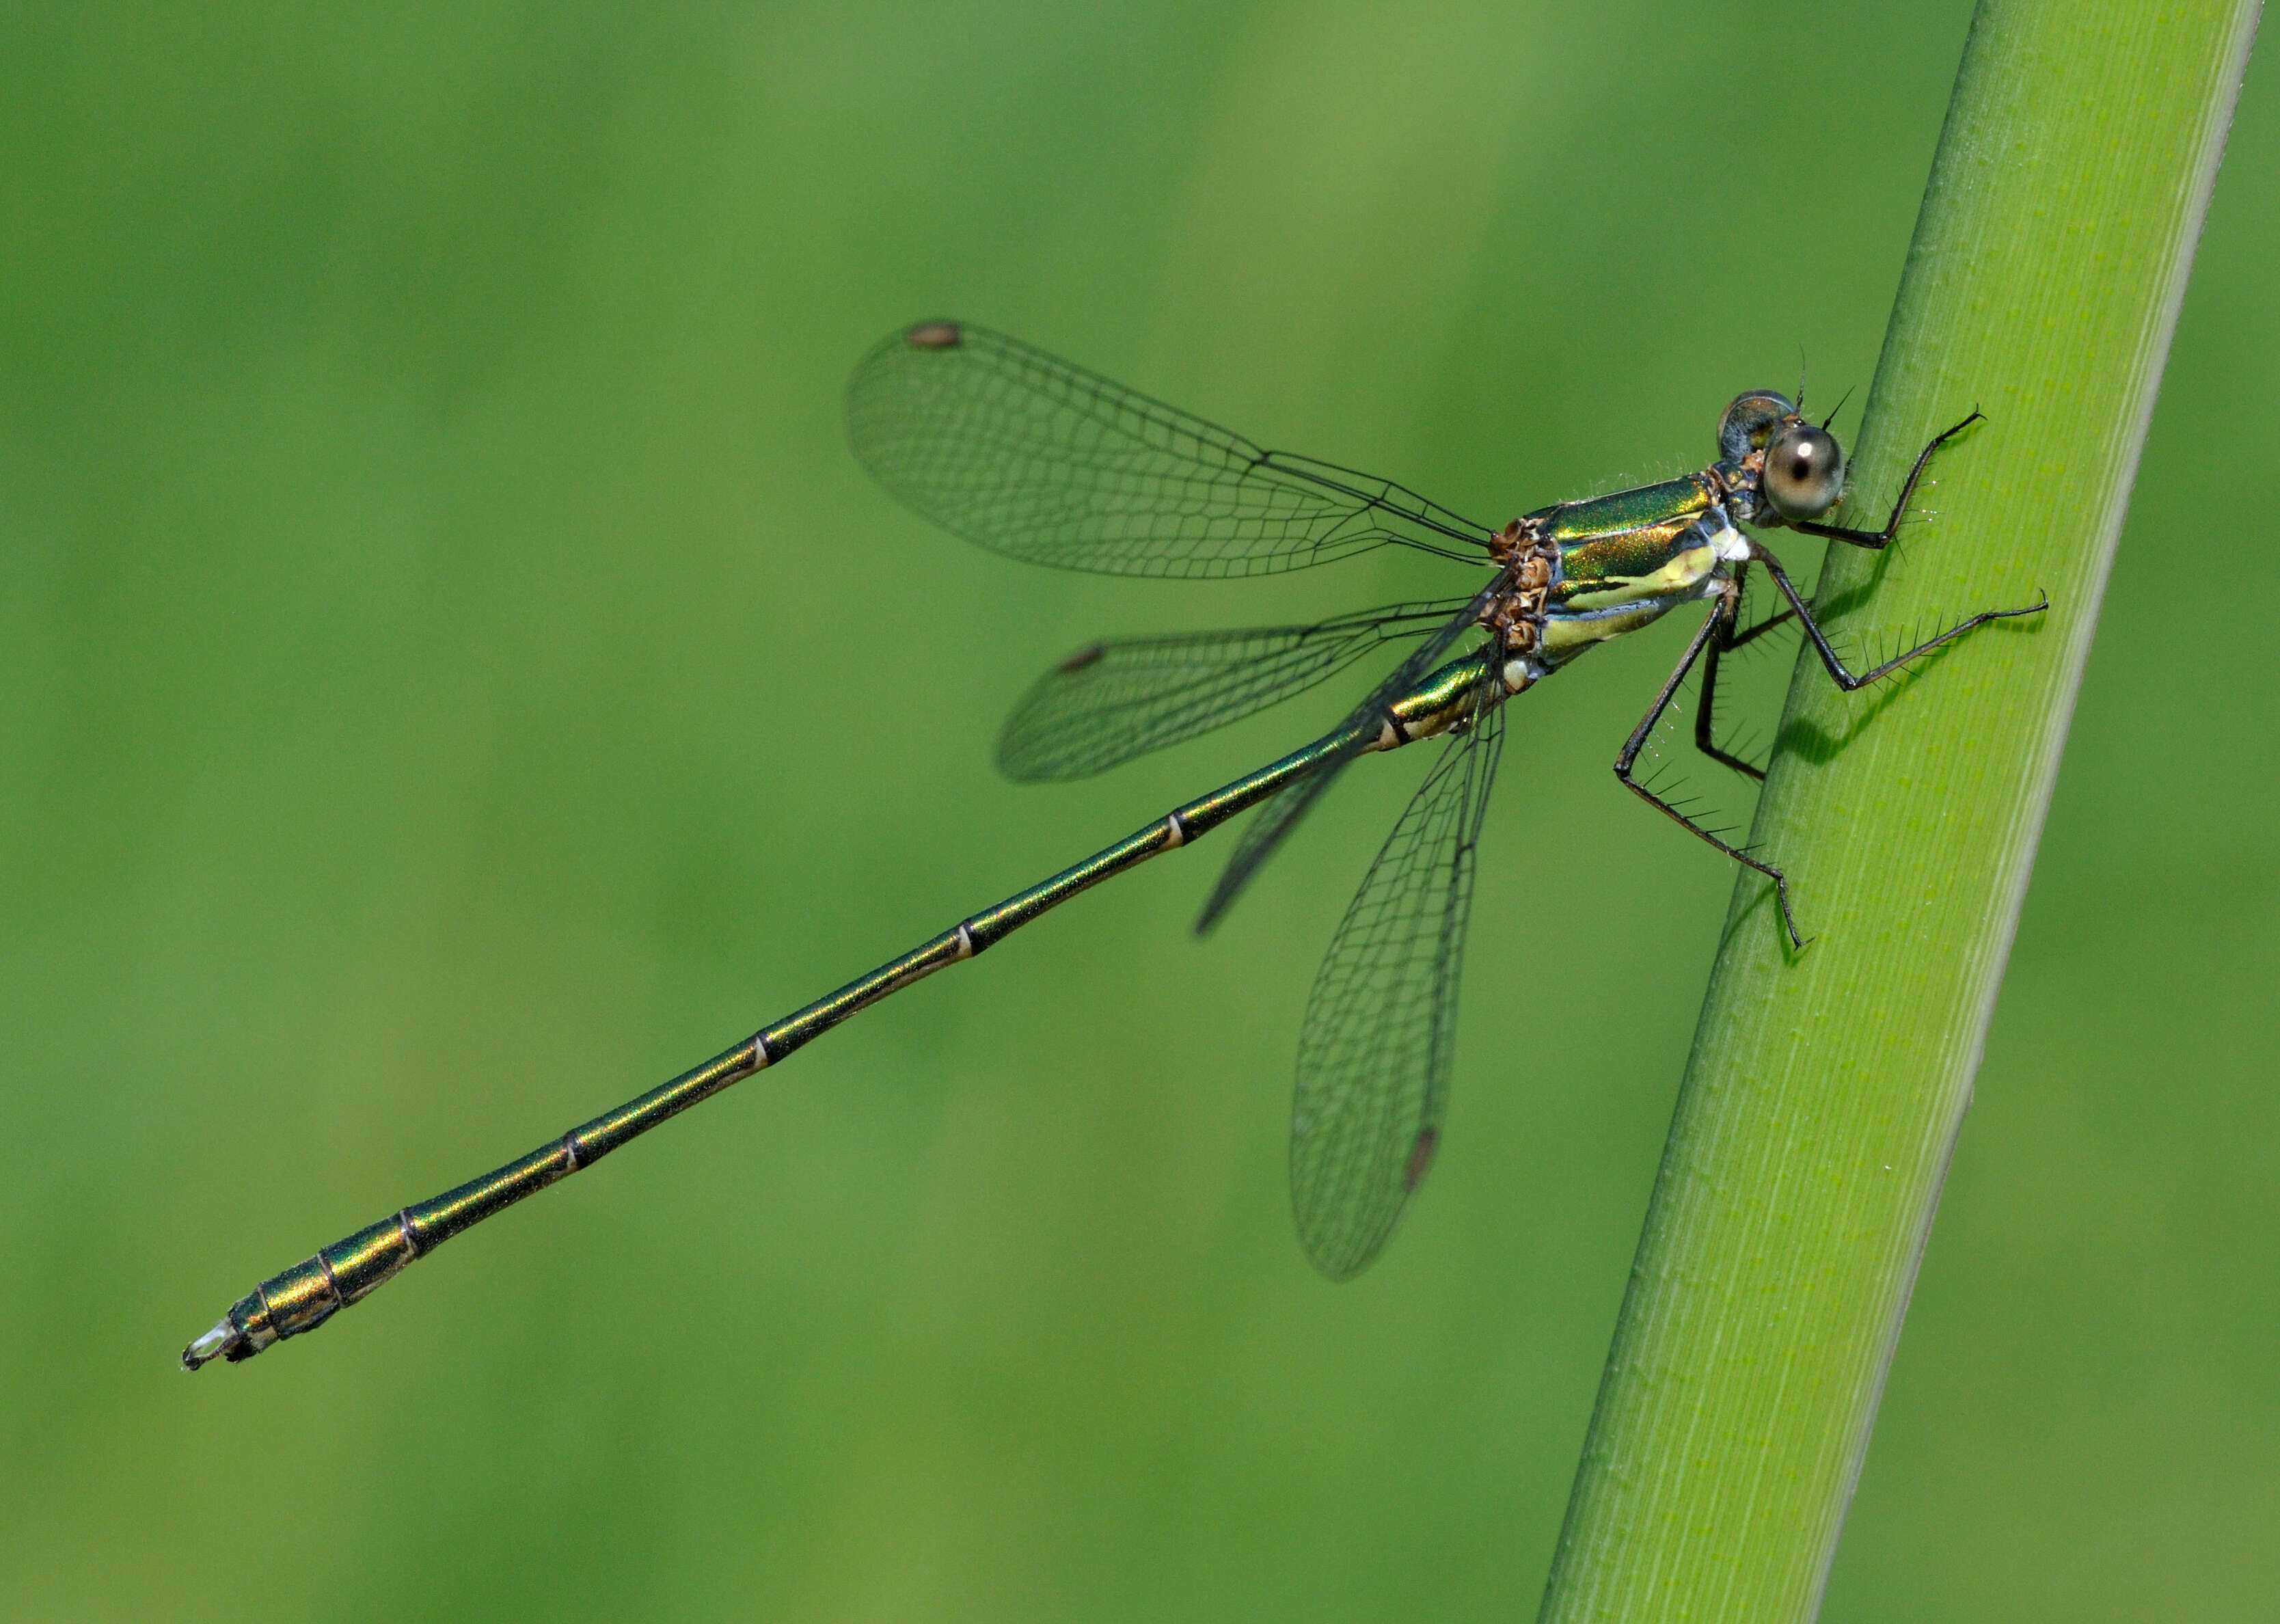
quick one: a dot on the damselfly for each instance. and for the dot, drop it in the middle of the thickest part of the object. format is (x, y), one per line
(1020, 452)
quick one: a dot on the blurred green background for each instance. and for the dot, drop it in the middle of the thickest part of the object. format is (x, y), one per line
(452, 676)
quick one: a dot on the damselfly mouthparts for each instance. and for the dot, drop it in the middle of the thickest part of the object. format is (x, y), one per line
(1028, 455)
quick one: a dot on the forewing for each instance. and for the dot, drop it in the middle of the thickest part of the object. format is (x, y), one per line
(1106, 704)
(1374, 1052)
(1014, 450)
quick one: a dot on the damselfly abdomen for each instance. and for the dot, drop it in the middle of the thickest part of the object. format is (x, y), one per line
(1028, 455)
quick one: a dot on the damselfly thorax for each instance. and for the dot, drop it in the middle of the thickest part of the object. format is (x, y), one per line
(1579, 573)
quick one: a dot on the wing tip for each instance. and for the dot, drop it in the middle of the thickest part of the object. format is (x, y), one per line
(1342, 1261)
(1216, 904)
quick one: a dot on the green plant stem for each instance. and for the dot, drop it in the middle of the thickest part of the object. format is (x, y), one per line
(1826, 1087)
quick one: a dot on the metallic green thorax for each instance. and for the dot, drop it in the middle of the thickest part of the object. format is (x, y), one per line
(1628, 558)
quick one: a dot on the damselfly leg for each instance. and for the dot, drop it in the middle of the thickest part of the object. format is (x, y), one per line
(1876, 539)
(1729, 614)
(1702, 639)
(1849, 680)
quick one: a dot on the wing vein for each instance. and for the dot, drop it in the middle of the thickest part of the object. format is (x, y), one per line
(1379, 1037)
(1025, 454)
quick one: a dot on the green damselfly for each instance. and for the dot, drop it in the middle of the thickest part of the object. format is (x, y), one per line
(1025, 454)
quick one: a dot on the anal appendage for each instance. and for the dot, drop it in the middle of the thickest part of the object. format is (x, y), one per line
(214, 1345)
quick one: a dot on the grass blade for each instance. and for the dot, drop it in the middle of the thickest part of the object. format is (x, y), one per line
(1825, 1089)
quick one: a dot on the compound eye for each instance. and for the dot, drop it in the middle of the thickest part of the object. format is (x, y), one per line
(1804, 471)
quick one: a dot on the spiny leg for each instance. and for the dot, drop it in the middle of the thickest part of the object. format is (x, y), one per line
(1845, 679)
(1744, 639)
(1875, 539)
(1703, 640)
(1705, 703)
(1728, 613)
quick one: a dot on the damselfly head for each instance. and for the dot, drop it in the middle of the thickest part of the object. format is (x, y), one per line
(1803, 474)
